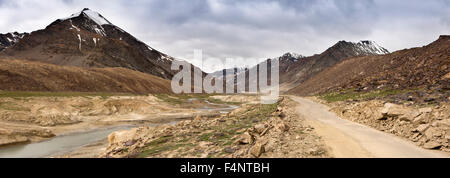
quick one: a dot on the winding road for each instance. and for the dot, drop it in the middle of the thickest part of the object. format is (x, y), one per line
(347, 139)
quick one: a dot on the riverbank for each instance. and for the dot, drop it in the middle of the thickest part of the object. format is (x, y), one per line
(41, 119)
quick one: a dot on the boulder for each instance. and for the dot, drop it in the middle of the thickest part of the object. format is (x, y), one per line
(410, 116)
(419, 119)
(257, 150)
(259, 128)
(421, 128)
(246, 138)
(393, 110)
(121, 136)
(443, 123)
(432, 132)
(432, 145)
(425, 110)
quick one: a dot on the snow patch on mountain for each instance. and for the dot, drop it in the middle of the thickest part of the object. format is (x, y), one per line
(371, 47)
(289, 56)
(94, 16)
(79, 45)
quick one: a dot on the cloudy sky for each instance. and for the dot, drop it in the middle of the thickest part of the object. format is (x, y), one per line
(248, 29)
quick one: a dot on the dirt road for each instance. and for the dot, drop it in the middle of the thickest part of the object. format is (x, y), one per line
(346, 139)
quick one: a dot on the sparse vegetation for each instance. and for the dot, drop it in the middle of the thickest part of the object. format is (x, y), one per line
(223, 133)
(25, 94)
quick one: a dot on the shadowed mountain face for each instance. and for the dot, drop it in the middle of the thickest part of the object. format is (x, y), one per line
(87, 39)
(9, 39)
(425, 67)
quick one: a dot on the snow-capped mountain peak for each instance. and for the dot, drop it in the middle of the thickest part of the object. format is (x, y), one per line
(290, 56)
(362, 48)
(371, 47)
(9, 39)
(293, 55)
(94, 16)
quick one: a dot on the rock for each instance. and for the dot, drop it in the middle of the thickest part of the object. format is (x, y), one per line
(447, 137)
(409, 116)
(313, 151)
(229, 150)
(130, 143)
(421, 128)
(432, 132)
(393, 110)
(419, 119)
(121, 136)
(432, 145)
(204, 144)
(266, 130)
(443, 123)
(425, 110)
(257, 150)
(259, 128)
(246, 138)
(283, 127)
(280, 109)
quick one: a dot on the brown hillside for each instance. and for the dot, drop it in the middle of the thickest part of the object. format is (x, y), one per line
(425, 67)
(21, 75)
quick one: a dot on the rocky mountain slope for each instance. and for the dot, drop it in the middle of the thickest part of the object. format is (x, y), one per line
(293, 73)
(87, 39)
(9, 39)
(22, 75)
(295, 68)
(425, 67)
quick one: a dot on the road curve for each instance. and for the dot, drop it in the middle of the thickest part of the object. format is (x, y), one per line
(347, 139)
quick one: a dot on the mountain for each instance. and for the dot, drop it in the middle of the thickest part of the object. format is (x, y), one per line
(87, 39)
(425, 67)
(23, 75)
(294, 72)
(9, 39)
(295, 68)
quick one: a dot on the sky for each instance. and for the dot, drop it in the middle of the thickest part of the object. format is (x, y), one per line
(248, 30)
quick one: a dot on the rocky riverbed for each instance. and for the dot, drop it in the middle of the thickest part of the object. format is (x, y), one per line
(252, 131)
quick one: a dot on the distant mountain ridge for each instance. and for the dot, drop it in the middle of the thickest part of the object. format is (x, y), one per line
(425, 67)
(295, 68)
